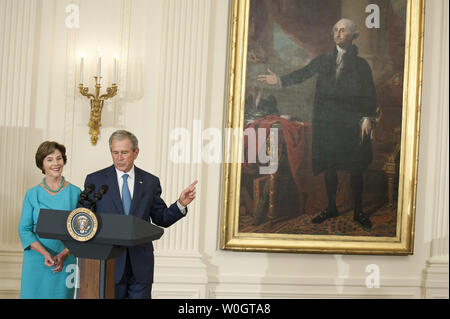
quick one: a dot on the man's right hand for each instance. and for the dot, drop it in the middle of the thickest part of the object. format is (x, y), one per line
(366, 128)
(271, 78)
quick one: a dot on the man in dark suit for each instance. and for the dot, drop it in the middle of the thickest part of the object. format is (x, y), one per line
(132, 191)
(344, 108)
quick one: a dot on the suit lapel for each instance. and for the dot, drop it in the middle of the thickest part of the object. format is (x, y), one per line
(115, 193)
(138, 189)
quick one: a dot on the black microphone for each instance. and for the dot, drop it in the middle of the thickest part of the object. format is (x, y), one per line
(84, 196)
(97, 196)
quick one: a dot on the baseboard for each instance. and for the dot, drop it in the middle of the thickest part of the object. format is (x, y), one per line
(284, 287)
(10, 272)
(435, 278)
(186, 277)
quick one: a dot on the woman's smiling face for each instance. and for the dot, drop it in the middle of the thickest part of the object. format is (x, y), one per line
(53, 164)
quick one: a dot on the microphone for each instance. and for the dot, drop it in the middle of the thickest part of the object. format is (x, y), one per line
(84, 196)
(102, 191)
(97, 196)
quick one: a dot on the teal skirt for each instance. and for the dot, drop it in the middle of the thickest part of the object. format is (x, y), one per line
(39, 281)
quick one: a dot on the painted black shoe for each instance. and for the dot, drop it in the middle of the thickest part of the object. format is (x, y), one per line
(326, 214)
(363, 220)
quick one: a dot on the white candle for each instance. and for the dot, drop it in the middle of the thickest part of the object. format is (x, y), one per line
(115, 68)
(99, 66)
(81, 69)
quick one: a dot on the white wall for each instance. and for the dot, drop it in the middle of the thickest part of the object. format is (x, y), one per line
(173, 63)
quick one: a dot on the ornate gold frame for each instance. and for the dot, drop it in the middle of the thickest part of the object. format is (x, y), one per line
(402, 244)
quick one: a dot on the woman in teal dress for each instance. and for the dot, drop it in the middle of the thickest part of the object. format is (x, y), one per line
(48, 268)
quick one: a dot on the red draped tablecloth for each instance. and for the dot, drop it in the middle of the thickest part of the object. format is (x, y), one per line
(298, 140)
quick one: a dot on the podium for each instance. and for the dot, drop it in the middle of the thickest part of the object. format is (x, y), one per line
(114, 234)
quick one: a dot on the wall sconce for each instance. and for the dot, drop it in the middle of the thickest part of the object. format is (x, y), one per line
(96, 99)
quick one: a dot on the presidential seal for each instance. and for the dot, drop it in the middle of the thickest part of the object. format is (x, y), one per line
(82, 224)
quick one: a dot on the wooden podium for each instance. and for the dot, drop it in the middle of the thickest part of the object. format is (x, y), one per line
(115, 233)
(91, 279)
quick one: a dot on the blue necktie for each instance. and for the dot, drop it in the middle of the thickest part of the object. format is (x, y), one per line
(126, 196)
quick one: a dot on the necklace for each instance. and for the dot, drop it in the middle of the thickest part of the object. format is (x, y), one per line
(51, 190)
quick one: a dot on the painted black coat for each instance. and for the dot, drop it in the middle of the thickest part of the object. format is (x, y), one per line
(339, 106)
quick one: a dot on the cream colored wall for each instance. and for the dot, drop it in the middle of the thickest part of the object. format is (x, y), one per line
(173, 62)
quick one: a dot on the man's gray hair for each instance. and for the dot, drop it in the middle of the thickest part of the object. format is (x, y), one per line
(351, 27)
(121, 135)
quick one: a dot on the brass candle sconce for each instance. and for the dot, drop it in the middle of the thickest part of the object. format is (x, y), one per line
(97, 101)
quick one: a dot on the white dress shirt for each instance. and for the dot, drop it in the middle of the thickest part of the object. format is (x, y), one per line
(339, 60)
(130, 182)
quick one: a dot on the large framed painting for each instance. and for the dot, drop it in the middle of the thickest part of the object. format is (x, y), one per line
(322, 126)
